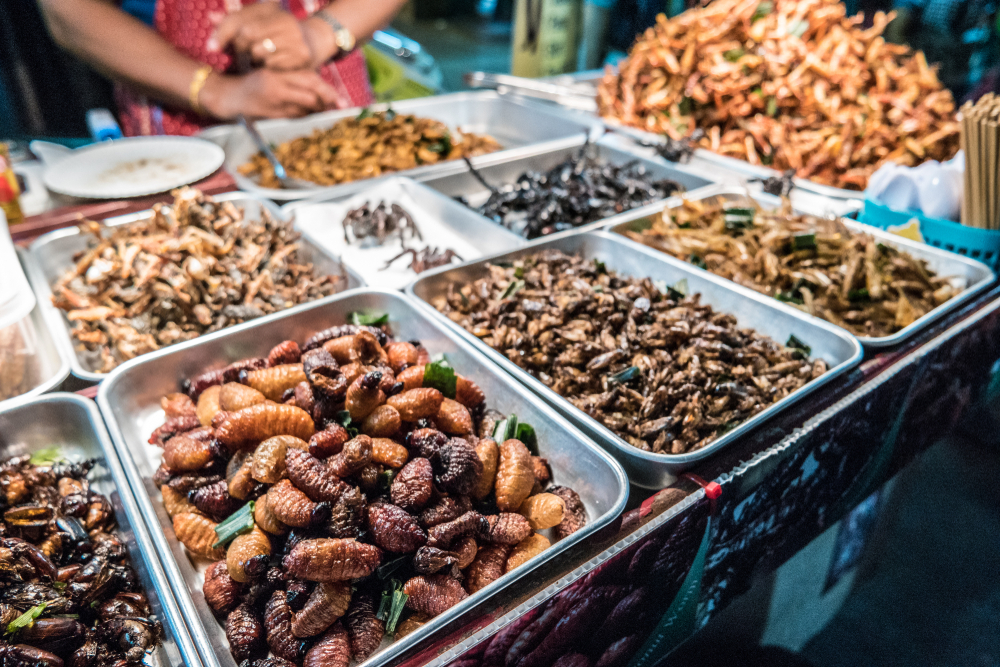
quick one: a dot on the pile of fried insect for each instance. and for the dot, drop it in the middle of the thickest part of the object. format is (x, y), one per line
(349, 491)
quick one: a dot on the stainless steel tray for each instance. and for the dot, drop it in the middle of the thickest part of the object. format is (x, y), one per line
(74, 424)
(51, 255)
(974, 276)
(499, 172)
(53, 364)
(840, 349)
(443, 222)
(514, 124)
(130, 402)
(737, 165)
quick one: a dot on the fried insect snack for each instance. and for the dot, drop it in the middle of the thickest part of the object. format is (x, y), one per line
(790, 84)
(367, 146)
(370, 461)
(69, 592)
(816, 264)
(194, 267)
(657, 367)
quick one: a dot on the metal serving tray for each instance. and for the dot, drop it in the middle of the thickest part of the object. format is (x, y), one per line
(504, 172)
(74, 424)
(840, 349)
(51, 255)
(130, 402)
(513, 123)
(53, 364)
(443, 222)
(737, 165)
(972, 275)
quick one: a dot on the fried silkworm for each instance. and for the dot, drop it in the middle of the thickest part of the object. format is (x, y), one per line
(356, 454)
(214, 500)
(487, 567)
(445, 508)
(285, 352)
(364, 395)
(395, 529)
(177, 405)
(328, 602)
(389, 453)
(505, 528)
(575, 515)
(278, 623)
(525, 550)
(175, 503)
(332, 559)
(292, 507)
(263, 421)
(183, 454)
(234, 396)
(313, 477)
(245, 633)
(543, 510)
(401, 355)
(412, 487)
(332, 650)
(515, 475)
(274, 381)
(329, 441)
(197, 534)
(433, 594)
(489, 455)
(222, 592)
(415, 404)
(248, 555)
(383, 422)
(265, 517)
(363, 627)
(453, 418)
(470, 523)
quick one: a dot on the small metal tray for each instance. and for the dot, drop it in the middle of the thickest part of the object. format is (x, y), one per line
(975, 276)
(51, 256)
(516, 125)
(443, 222)
(74, 425)
(737, 165)
(500, 172)
(839, 349)
(130, 402)
(52, 363)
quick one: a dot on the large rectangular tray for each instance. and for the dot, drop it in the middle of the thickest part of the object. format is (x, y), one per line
(443, 222)
(500, 172)
(51, 255)
(515, 124)
(74, 425)
(130, 402)
(737, 165)
(840, 349)
(975, 276)
(52, 362)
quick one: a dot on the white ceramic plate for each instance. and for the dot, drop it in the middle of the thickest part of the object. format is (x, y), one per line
(133, 167)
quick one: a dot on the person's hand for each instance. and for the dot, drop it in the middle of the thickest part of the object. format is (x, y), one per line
(271, 37)
(266, 93)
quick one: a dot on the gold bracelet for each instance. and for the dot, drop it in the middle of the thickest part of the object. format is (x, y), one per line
(197, 83)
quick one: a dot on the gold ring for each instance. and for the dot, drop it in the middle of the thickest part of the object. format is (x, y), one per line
(268, 45)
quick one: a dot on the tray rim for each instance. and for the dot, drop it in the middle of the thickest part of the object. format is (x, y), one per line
(57, 324)
(915, 248)
(177, 622)
(145, 501)
(672, 462)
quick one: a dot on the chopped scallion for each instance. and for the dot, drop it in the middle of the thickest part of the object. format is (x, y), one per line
(513, 288)
(368, 319)
(27, 619)
(441, 376)
(239, 522)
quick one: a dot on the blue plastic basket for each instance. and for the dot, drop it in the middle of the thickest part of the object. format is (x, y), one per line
(979, 244)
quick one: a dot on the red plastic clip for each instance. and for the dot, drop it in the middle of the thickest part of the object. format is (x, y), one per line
(712, 489)
(88, 392)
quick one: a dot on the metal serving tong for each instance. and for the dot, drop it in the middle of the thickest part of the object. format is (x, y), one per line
(580, 97)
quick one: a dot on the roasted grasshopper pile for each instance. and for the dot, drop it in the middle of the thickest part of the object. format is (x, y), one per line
(793, 84)
(815, 264)
(367, 146)
(68, 593)
(577, 191)
(663, 371)
(195, 267)
(349, 490)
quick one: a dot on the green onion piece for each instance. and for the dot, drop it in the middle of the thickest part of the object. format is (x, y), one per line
(738, 217)
(46, 456)
(505, 429)
(441, 376)
(399, 599)
(732, 55)
(27, 619)
(859, 295)
(512, 289)
(519, 272)
(59, 585)
(794, 343)
(803, 242)
(385, 479)
(504, 265)
(365, 113)
(662, 286)
(772, 106)
(526, 434)
(368, 319)
(600, 266)
(386, 569)
(684, 225)
(763, 9)
(237, 523)
(727, 427)
(698, 261)
(678, 290)
(344, 419)
(627, 375)
(788, 297)
(384, 606)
